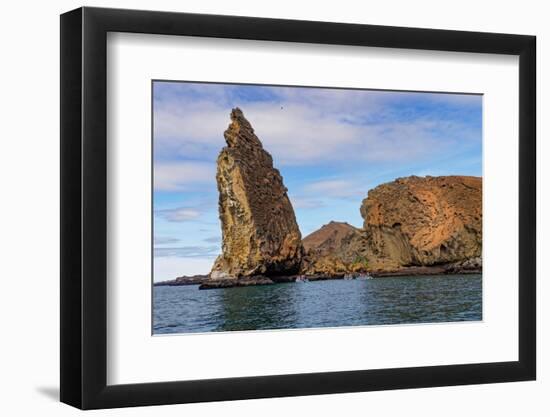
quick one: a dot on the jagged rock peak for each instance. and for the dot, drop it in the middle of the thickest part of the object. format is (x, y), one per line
(259, 228)
(240, 131)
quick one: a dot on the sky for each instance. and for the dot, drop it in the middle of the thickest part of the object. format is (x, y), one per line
(330, 145)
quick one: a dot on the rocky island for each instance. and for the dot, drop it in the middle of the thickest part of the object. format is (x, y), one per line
(411, 226)
(261, 241)
(183, 280)
(424, 222)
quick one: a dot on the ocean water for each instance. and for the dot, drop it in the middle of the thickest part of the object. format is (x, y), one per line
(334, 303)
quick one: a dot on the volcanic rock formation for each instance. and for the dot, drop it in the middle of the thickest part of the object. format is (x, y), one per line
(335, 249)
(421, 221)
(259, 229)
(413, 225)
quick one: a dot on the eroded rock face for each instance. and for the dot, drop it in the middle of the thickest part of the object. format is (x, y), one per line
(423, 221)
(259, 229)
(335, 249)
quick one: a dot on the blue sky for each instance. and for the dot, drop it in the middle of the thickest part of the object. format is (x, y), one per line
(330, 145)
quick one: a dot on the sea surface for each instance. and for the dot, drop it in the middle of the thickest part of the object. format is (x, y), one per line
(333, 303)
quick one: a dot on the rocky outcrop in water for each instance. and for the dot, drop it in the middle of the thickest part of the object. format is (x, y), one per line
(259, 229)
(183, 280)
(467, 266)
(424, 221)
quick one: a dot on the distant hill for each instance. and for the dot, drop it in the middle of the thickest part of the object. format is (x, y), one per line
(336, 248)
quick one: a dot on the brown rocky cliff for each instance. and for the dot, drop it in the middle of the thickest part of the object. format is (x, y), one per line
(259, 228)
(423, 221)
(335, 249)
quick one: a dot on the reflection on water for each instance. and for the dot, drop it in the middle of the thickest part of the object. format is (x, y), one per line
(333, 303)
(253, 308)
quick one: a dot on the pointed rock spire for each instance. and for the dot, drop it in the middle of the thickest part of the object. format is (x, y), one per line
(259, 228)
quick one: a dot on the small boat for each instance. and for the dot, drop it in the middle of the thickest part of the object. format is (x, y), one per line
(364, 277)
(302, 278)
(347, 277)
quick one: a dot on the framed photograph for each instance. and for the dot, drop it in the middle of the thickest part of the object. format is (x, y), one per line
(256, 208)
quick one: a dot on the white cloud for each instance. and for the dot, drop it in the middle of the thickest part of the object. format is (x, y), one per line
(188, 252)
(163, 240)
(200, 120)
(180, 214)
(298, 134)
(183, 176)
(336, 188)
(295, 134)
(305, 202)
(303, 127)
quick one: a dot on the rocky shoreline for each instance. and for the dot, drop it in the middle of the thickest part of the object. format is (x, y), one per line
(205, 282)
(185, 280)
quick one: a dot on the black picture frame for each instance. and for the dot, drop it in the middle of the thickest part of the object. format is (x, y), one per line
(84, 207)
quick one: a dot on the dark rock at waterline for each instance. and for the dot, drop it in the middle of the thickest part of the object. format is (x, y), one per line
(184, 280)
(236, 282)
(468, 266)
(411, 271)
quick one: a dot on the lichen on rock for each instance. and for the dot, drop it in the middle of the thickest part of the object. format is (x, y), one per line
(259, 228)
